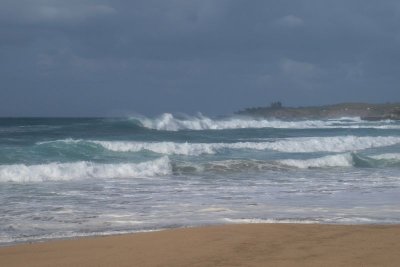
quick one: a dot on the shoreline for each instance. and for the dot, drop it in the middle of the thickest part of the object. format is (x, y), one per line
(76, 237)
(133, 232)
(220, 245)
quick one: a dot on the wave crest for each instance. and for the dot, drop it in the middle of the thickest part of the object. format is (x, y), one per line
(289, 145)
(345, 160)
(169, 122)
(69, 171)
(341, 160)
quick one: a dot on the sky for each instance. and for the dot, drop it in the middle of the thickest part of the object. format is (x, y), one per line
(115, 58)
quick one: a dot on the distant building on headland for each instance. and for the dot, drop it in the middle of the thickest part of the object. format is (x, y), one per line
(366, 111)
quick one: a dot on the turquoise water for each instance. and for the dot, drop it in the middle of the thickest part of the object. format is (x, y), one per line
(66, 177)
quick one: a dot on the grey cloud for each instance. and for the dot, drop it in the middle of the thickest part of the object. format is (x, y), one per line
(290, 21)
(296, 68)
(93, 57)
(28, 12)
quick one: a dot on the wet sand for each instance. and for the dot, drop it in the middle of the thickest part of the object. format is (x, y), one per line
(227, 245)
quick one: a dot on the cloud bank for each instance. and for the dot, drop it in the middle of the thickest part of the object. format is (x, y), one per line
(98, 57)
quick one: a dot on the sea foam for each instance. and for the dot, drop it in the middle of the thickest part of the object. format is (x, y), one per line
(387, 156)
(227, 166)
(345, 160)
(341, 160)
(168, 148)
(76, 170)
(169, 122)
(289, 145)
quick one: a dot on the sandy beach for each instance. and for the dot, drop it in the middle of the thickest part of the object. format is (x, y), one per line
(227, 245)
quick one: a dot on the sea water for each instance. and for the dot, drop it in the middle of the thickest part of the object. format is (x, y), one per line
(67, 177)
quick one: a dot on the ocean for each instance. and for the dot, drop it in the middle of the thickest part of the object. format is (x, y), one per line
(69, 177)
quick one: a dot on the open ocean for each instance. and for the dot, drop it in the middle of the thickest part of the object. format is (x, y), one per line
(62, 178)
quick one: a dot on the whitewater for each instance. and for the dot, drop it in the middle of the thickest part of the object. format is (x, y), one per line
(68, 177)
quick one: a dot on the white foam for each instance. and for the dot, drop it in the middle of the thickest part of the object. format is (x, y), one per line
(333, 144)
(291, 145)
(66, 141)
(160, 147)
(228, 166)
(83, 169)
(388, 156)
(5, 240)
(215, 209)
(241, 165)
(341, 160)
(168, 122)
(255, 220)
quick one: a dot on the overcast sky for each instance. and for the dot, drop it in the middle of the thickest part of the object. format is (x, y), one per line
(97, 57)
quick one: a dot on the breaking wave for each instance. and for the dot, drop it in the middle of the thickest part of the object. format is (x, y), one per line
(288, 145)
(227, 166)
(387, 156)
(382, 160)
(341, 160)
(234, 166)
(69, 171)
(169, 122)
(345, 160)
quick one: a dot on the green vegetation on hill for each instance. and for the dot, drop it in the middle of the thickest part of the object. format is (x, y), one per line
(364, 110)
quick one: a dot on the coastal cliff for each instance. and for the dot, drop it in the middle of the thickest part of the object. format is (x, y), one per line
(365, 111)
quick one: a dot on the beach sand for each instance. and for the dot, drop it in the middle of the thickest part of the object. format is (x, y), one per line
(226, 245)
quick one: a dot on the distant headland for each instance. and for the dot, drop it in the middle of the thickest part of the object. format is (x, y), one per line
(366, 111)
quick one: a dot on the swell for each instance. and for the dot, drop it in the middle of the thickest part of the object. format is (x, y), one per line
(79, 170)
(344, 160)
(340, 160)
(287, 145)
(377, 161)
(164, 167)
(169, 122)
